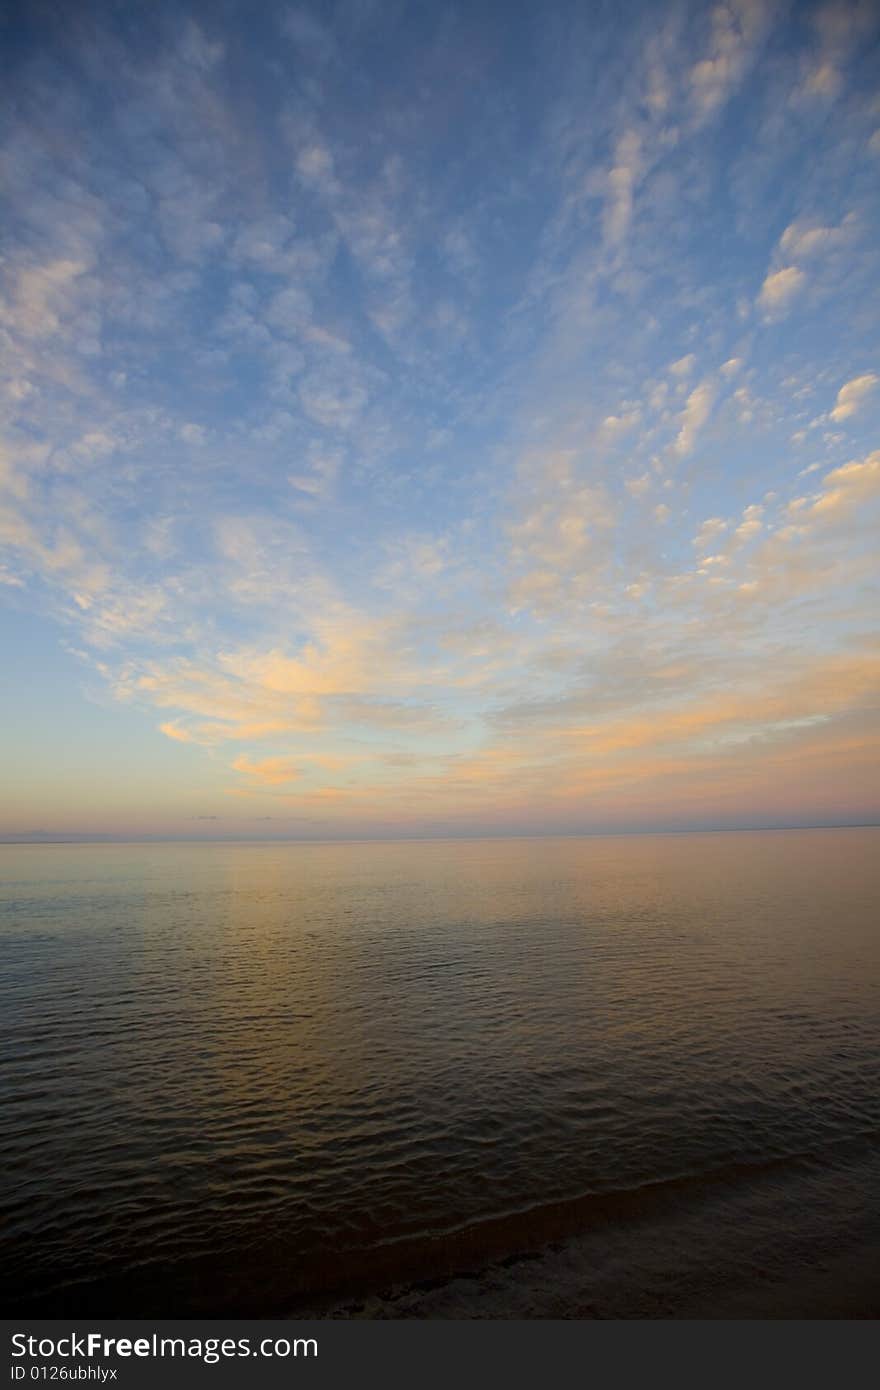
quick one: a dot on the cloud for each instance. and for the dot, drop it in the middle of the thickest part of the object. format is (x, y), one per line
(192, 434)
(343, 675)
(847, 488)
(414, 560)
(637, 487)
(709, 530)
(823, 81)
(780, 287)
(615, 427)
(174, 731)
(751, 524)
(268, 771)
(803, 240)
(698, 408)
(820, 691)
(40, 295)
(623, 179)
(332, 398)
(559, 537)
(851, 396)
(839, 28)
(737, 29)
(684, 366)
(319, 482)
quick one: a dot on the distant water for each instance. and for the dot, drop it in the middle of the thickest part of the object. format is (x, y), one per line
(623, 1076)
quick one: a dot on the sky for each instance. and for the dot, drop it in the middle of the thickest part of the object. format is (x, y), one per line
(438, 419)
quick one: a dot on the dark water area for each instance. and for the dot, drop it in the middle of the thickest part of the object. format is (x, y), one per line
(599, 1077)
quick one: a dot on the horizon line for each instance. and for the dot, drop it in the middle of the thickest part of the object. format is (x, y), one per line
(107, 839)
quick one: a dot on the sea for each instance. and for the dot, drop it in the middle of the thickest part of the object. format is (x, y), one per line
(631, 1076)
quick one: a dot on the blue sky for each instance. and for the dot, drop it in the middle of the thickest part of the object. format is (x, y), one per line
(438, 419)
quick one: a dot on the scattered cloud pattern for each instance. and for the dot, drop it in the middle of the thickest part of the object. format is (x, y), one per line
(441, 419)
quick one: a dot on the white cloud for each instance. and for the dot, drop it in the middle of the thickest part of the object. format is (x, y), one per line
(623, 179)
(39, 295)
(851, 396)
(709, 530)
(694, 416)
(615, 426)
(751, 524)
(802, 240)
(637, 487)
(780, 287)
(320, 480)
(684, 366)
(824, 80)
(193, 434)
(847, 488)
(736, 30)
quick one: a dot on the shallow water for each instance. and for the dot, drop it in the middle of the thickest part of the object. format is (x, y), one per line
(623, 1076)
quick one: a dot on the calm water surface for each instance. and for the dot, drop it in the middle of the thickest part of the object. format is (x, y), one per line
(623, 1076)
